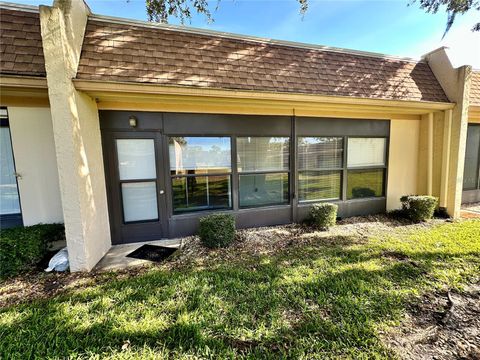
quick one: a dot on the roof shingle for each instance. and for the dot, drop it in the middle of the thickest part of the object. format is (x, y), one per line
(475, 89)
(21, 51)
(134, 53)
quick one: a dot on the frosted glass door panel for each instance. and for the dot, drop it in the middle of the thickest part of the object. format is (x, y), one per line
(9, 201)
(136, 159)
(139, 201)
(364, 152)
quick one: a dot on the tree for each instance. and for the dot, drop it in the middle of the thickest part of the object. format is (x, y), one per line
(454, 8)
(161, 10)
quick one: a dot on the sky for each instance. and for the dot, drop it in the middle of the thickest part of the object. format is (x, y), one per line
(385, 26)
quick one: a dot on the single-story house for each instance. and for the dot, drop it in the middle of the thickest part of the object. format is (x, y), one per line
(129, 131)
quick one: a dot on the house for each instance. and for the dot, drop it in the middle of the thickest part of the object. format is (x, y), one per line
(130, 131)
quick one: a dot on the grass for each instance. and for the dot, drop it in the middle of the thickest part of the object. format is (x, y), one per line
(322, 299)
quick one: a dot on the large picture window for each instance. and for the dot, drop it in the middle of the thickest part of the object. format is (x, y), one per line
(366, 162)
(263, 165)
(320, 161)
(200, 170)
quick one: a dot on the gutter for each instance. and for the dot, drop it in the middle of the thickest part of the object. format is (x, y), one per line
(15, 81)
(96, 87)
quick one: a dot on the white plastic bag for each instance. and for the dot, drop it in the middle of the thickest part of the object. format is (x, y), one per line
(59, 261)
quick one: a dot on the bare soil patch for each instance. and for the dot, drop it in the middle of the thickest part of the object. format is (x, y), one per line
(442, 325)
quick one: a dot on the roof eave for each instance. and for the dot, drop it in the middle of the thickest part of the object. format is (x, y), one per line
(97, 88)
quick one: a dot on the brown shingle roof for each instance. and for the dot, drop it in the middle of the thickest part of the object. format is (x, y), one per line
(134, 53)
(475, 89)
(21, 50)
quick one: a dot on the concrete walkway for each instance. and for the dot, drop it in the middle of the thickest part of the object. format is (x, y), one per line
(470, 211)
(116, 258)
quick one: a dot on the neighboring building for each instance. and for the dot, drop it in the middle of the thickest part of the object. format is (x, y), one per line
(130, 131)
(471, 177)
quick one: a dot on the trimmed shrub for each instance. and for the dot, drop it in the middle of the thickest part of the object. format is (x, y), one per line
(323, 215)
(217, 230)
(22, 248)
(419, 207)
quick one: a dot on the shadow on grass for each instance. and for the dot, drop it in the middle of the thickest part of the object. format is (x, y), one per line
(319, 300)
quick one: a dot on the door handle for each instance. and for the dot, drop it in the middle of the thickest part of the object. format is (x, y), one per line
(162, 192)
(17, 175)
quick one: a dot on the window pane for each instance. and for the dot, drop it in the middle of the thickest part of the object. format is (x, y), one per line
(136, 159)
(366, 152)
(262, 153)
(9, 202)
(319, 185)
(364, 183)
(263, 189)
(472, 161)
(201, 193)
(199, 155)
(139, 201)
(320, 153)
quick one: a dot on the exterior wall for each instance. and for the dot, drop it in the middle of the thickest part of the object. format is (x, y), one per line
(403, 161)
(34, 152)
(114, 125)
(456, 84)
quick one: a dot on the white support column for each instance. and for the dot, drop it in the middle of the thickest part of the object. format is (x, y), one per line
(77, 136)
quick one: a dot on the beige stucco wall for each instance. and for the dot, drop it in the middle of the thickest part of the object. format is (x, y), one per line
(402, 161)
(77, 136)
(456, 84)
(34, 151)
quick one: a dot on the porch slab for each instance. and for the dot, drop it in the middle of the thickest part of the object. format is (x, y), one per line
(116, 258)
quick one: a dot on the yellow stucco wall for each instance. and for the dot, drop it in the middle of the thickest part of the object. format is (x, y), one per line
(402, 160)
(35, 160)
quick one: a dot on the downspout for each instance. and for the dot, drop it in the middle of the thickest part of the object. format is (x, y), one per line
(430, 155)
(447, 135)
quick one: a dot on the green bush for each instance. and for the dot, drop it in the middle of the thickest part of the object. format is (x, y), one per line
(21, 248)
(419, 208)
(217, 230)
(323, 215)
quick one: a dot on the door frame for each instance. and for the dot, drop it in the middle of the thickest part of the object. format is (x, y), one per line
(138, 231)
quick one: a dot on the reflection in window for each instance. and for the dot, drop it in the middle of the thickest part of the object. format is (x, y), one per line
(472, 158)
(195, 193)
(9, 200)
(263, 166)
(200, 168)
(320, 161)
(199, 155)
(366, 153)
(365, 183)
(263, 189)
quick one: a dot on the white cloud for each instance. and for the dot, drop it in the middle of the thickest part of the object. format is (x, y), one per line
(464, 44)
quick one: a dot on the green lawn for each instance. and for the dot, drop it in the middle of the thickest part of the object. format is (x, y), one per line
(318, 299)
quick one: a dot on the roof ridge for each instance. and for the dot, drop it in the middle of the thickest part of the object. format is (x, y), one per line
(249, 38)
(20, 7)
